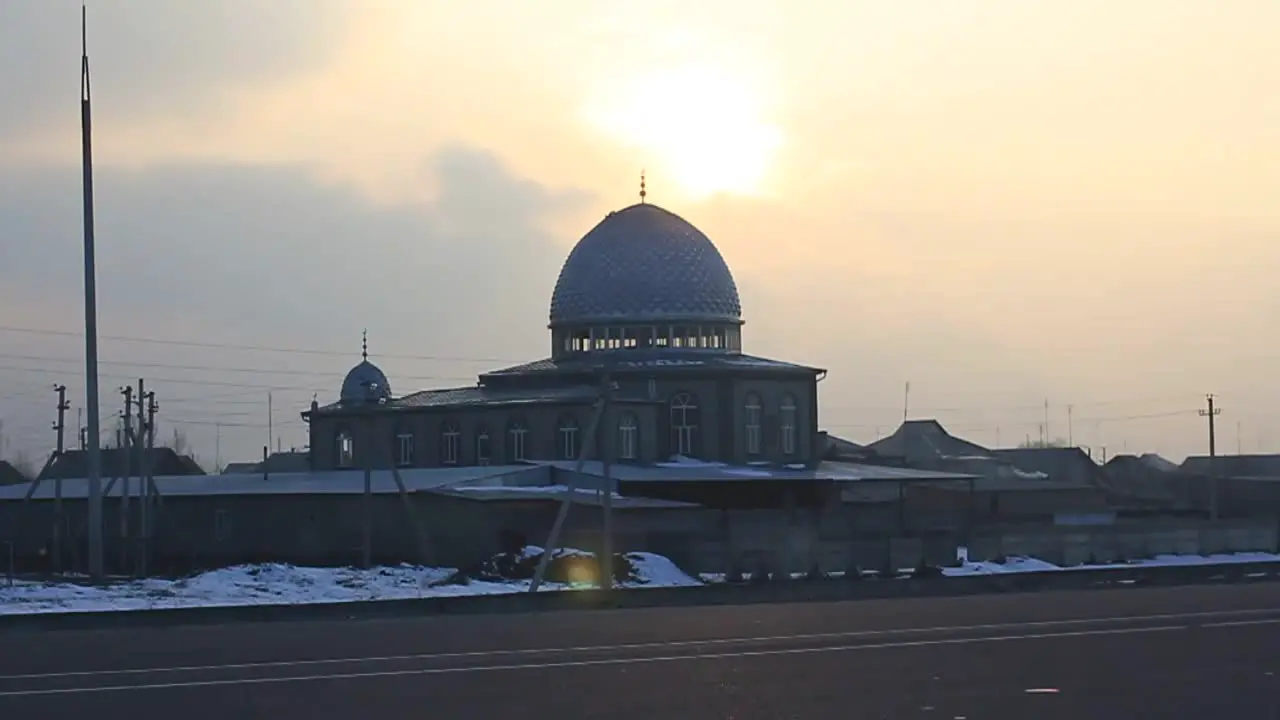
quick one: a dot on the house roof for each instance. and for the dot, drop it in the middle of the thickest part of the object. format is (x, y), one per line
(121, 461)
(480, 396)
(696, 471)
(10, 475)
(924, 441)
(341, 482)
(1234, 465)
(1052, 461)
(288, 461)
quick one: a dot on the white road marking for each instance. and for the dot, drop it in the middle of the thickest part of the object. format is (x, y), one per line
(1242, 623)
(358, 660)
(584, 663)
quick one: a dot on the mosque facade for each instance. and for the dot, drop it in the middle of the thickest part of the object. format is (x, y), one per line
(645, 311)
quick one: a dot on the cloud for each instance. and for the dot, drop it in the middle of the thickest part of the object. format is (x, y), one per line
(270, 256)
(154, 56)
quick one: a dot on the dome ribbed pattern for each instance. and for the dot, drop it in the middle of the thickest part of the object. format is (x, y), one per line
(642, 264)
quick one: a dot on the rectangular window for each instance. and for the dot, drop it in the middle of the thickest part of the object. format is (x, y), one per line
(346, 451)
(627, 442)
(517, 444)
(404, 449)
(569, 442)
(449, 451)
(482, 449)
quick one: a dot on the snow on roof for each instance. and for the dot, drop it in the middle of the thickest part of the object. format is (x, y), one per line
(688, 470)
(340, 482)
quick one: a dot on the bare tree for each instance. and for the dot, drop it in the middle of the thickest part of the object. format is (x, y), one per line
(178, 443)
(1036, 443)
(22, 462)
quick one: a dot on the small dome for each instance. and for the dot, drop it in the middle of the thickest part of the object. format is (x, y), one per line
(365, 383)
(644, 263)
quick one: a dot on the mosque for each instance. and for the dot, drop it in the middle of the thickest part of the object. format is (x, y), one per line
(646, 311)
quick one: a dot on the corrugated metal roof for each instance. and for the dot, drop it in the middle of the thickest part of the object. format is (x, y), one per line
(320, 483)
(555, 493)
(713, 472)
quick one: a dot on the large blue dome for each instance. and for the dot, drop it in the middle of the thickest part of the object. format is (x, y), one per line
(643, 264)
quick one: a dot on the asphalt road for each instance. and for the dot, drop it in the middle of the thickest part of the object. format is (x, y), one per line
(1190, 652)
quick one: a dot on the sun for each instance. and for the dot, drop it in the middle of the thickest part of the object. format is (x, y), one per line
(702, 125)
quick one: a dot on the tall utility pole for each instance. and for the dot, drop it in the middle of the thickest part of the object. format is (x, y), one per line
(126, 452)
(60, 427)
(1047, 436)
(1071, 436)
(139, 453)
(609, 433)
(553, 540)
(90, 314)
(270, 418)
(149, 490)
(1211, 413)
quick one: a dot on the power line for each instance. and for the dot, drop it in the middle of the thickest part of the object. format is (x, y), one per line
(175, 381)
(255, 348)
(214, 368)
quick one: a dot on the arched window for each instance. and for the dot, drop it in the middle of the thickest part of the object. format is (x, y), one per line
(787, 424)
(346, 447)
(484, 448)
(404, 447)
(567, 432)
(517, 435)
(450, 439)
(628, 436)
(751, 423)
(684, 424)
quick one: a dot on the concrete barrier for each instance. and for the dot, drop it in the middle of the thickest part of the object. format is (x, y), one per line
(794, 591)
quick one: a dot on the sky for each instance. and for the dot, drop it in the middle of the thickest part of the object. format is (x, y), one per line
(1004, 203)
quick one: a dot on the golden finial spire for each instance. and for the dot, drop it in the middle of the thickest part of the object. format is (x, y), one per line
(642, 190)
(364, 344)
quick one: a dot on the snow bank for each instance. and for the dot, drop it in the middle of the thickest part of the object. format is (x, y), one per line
(277, 584)
(1017, 564)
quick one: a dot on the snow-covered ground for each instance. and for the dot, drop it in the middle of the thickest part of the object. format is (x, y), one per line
(289, 585)
(1016, 564)
(275, 584)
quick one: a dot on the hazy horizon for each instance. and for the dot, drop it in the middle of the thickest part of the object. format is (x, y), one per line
(1001, 202)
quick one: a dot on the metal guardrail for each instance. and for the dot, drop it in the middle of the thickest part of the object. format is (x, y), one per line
(785, 591)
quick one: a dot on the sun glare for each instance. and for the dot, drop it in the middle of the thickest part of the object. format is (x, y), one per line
(703, 126)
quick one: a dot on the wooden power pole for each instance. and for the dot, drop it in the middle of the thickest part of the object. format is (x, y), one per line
(1211, 413)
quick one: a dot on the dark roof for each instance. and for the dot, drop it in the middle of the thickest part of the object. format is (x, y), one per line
(1055, 462)
(117, 462)
(834, 448)
(242, 468)
(289, 461)
(479, 396)
(10, 475)
(1235, 465)
(651, 360)
(644, 263)
(924, 442)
